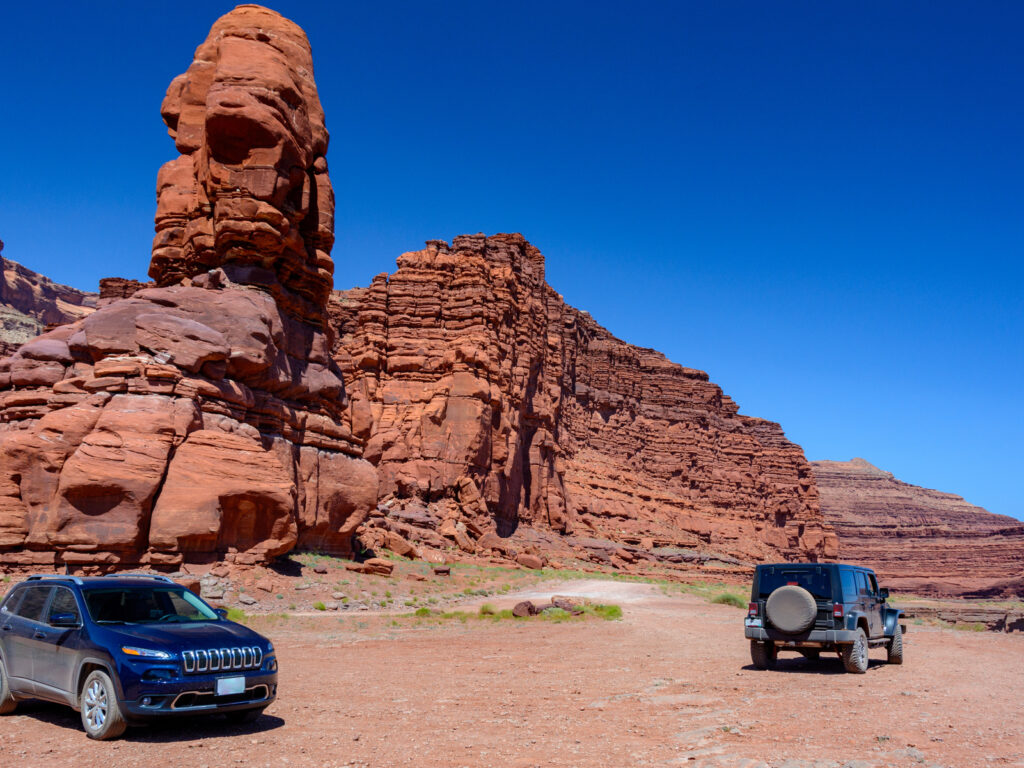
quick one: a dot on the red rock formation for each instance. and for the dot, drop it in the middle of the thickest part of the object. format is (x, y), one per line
(250, 192)
(114, 288)
(203, 418)
(29, 302)
(488, 403)
(917, 539)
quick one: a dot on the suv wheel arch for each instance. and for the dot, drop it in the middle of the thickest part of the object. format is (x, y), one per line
(87, 667)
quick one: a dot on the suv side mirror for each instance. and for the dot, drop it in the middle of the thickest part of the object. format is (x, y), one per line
(883, 593)
(64, 620)
(222, 612)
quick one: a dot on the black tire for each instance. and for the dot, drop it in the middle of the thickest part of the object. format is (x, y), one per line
(101, 714)
(244, 716)
(855, 655)
(811, 654)
(764, 655)
(894, 651)
(7, 701)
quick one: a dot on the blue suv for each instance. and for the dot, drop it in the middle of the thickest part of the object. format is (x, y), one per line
(123, 649)
(815, 607)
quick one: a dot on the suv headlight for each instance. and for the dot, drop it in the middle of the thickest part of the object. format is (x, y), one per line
(144, 653)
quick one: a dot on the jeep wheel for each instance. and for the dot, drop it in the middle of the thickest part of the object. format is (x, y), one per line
(101, 715)
(855, 655)
(7, 701)
(244, 716)
(763, 655)
(894, 651)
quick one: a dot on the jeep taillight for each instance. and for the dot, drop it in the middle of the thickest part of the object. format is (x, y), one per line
(837, 611)
(751, 610)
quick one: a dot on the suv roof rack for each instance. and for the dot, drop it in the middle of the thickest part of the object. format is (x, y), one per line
(157, 576)
(54, 577)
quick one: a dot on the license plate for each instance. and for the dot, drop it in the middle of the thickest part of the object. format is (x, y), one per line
(753, 622)
(229, 686)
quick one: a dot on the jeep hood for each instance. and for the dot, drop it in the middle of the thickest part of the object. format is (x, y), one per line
(175, 638)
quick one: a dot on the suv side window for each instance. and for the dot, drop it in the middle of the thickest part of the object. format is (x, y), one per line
(849, 586)
(11, 603)
(64, 602)
(33, 602)
(862, 583)
(872, 584)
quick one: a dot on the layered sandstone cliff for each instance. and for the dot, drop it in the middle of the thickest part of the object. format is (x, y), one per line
(489, 405)
(236, 409)
(202, 418)
(917, 539)
(29, 302)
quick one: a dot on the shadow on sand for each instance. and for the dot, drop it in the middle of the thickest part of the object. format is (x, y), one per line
(172, 729)
(826, 665)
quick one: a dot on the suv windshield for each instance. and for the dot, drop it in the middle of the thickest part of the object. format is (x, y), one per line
(146, 605)
(815, 580)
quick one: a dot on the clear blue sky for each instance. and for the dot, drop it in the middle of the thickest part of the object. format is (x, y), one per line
(820, 204)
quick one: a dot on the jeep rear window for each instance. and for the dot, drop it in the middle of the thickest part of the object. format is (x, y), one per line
(146, 605)
(816, 581)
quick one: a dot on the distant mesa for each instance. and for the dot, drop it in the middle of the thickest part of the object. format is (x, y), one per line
(920, 540)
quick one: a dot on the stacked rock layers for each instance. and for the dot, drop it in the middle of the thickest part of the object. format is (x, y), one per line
(483, 396)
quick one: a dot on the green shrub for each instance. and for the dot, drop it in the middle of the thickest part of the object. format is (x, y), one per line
(319, 606)
(727, 598)
(421, 612)
(487, 610)
(606, 612)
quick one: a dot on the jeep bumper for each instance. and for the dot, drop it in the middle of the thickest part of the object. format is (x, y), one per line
(813, 639)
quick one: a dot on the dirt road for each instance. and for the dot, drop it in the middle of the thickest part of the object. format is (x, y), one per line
(671, 684)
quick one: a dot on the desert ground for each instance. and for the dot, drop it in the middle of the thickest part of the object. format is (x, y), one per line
(670, 683)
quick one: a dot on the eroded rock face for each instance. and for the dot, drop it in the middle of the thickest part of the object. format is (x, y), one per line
(203, 418)
(917, 539)
(488, 404)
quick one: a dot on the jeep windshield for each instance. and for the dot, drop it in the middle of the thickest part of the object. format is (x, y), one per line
(815, 580)
(146, 605)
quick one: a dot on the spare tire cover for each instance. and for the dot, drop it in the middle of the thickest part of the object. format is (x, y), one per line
(791, 609)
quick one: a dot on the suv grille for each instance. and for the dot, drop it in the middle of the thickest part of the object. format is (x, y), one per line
(222, 659)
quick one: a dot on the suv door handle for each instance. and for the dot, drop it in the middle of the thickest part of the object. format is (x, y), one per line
(7, 627)
(39, 635)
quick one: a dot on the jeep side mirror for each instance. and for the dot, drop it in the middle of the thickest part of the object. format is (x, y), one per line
(222, 612)
(883, 593)
(63, 620)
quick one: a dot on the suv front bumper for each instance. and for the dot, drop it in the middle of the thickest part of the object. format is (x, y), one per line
(813, 639)
(197, 695)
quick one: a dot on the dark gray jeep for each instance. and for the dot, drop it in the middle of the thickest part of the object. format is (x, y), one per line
(815, 607)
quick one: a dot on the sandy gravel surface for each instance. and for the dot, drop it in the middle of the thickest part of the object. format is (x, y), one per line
(670, 684)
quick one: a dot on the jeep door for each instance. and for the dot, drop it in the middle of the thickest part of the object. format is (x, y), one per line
(875, 607)
(20, 629)
(56, 653)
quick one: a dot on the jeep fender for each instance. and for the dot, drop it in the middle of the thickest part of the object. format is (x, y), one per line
(892, 617)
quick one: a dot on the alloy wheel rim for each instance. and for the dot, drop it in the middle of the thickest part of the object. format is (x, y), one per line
(95, 705)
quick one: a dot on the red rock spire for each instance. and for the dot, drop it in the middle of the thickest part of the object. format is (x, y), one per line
(250, 192)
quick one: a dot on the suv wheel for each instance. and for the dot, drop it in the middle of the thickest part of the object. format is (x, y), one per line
(894, 649)
(763, 655)
(855, 655)
(7, 700)
(101, 715)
